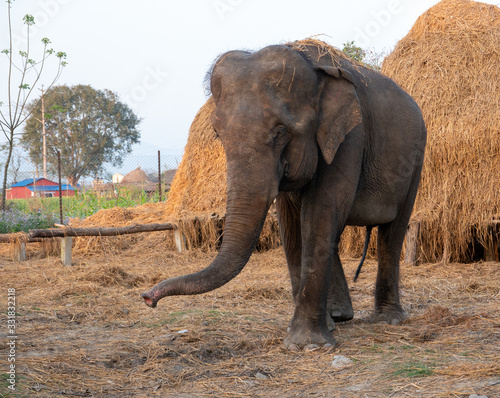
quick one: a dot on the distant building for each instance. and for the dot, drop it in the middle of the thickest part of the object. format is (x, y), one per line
(39, 188)
(117, 178)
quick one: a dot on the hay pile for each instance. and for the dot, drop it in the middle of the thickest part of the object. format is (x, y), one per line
(200, 182)
(136, 176)
(450, 64)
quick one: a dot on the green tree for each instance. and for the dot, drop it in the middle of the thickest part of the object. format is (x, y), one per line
(353, 51)
(89, 127)
(27, 72)
(368, 58)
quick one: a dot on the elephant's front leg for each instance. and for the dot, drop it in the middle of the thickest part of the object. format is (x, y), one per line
(309, 323)
(288, 206)
(325, 208)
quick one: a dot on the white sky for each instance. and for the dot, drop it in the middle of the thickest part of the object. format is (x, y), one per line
(155, 53)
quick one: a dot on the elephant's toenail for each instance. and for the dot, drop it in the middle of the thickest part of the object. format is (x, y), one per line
(293, 347)
(311, 347)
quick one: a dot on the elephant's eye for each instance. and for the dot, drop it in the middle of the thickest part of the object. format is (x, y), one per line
(280, 137)
(278, 131)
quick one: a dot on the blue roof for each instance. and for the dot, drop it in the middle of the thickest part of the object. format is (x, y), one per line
(64, 187)
(41, 188)
(25, 182)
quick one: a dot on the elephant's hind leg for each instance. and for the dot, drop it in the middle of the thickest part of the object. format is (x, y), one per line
(388, 309)
(389, 245)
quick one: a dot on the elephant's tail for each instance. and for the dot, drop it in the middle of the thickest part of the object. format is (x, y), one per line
(365, 249)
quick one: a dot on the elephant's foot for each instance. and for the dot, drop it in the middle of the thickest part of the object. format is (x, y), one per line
(389, 315)
(337, 314)
(330, 324)
(340, 310)
(309, 338)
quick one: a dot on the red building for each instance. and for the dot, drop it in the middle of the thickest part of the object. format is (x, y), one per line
(38, 187)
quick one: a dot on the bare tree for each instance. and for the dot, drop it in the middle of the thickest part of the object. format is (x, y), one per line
(27, 71)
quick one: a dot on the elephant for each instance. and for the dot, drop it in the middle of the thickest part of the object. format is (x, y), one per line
(332, 143)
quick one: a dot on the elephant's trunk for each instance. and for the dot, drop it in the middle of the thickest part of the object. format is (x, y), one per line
(246, 213)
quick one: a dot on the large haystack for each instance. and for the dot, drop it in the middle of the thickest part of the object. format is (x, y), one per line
(450, 63)
(199, 185)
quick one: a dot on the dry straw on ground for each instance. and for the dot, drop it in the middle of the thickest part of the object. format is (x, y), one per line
(84, 331)
(449, 63)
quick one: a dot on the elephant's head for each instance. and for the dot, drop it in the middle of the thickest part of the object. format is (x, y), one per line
(277, 112)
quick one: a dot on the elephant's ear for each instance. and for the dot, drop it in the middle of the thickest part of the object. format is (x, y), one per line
(339, 110)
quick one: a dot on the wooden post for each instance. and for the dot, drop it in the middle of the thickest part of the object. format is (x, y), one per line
(159, 178)
(412, 243)
(19, 250)
(180, 241)
(66, 244)
(491, 252)
(60, 187)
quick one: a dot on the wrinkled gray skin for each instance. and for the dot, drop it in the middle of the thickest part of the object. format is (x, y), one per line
(335, 145)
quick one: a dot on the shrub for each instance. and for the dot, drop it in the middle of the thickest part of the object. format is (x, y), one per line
(16, 221)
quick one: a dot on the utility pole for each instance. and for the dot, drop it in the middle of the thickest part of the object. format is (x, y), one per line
(44, 139)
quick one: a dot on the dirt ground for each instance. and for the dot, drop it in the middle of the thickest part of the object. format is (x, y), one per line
(84, 331)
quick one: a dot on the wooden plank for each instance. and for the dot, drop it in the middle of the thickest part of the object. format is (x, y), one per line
(412, 244)
(66, 246)
(110, 231)
(20, 250)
